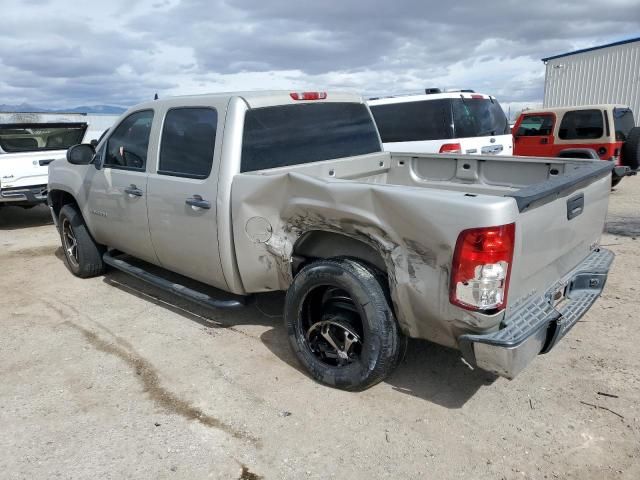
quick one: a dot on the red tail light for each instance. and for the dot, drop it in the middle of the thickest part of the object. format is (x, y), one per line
(451, 148)
(481, 268)
(477, 97)
(308, 95)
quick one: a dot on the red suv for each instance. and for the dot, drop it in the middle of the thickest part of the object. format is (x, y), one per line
(607, 132)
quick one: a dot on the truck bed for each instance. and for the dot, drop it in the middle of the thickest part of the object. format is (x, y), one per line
(480, 174)
(415, 227)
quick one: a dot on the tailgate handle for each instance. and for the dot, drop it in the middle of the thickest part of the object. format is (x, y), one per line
(46, 162)
(575, 206)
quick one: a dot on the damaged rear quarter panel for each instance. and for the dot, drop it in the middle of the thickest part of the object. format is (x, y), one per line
(413, 229)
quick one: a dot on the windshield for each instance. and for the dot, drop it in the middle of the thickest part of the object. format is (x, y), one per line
(34, 137)
(295, 134)
(623, 122)
(478, 117)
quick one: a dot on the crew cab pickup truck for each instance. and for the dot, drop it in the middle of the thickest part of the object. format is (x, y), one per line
(259, 192)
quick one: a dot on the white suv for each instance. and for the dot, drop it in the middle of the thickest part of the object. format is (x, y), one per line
(27, 149)
(443, 122)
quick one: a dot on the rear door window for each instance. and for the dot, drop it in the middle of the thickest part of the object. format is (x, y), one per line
(188, 140)
(535, 125)
(307, 132)
(34, 137)
(127, 146)
(414, 121)
(581, 124)
(623, 123)
(478, 117)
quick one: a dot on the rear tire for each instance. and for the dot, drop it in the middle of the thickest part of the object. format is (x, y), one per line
(341, 325)
(631, 149)
(83, 256)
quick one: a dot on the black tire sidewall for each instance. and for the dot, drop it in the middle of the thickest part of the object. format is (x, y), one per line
(381, 345)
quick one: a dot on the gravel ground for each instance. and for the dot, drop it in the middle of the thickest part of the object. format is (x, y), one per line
(109, 378)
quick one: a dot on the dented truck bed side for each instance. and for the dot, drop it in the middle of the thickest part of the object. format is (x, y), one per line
(388, 202)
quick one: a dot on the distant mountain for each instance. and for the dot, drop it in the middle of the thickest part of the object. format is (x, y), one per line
(106, 109)
(25, 107)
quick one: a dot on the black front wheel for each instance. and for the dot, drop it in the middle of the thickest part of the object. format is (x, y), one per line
(82, 254)
(341, 325)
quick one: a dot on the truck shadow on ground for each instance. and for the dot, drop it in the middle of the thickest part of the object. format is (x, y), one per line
(623, 226)
(15, 218)
(429, 371)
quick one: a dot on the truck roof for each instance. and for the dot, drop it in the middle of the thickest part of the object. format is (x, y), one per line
(417, 97)
(264, 98)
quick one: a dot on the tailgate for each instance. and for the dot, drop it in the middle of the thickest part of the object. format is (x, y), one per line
(27, 168)
(560, 223)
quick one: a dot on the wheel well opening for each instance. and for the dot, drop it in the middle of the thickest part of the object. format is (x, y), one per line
(320, 244)
(58, 199)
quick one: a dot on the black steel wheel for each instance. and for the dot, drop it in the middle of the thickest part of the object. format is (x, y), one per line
(341, 325)
(333, 326)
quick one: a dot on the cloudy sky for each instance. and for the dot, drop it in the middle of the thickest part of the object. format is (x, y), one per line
(61, 53)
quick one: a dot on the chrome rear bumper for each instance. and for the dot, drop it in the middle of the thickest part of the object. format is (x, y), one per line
(537, 326)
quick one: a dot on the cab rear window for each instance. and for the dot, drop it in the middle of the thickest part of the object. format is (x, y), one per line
(581, 124)
(304, 133)
(34, 137)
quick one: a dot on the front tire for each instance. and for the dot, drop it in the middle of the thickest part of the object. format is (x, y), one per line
(341, 325)
(83, 256)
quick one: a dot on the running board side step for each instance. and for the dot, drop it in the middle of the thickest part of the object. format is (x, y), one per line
(175, 288)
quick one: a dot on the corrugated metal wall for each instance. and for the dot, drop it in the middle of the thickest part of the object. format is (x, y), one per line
(607, 75)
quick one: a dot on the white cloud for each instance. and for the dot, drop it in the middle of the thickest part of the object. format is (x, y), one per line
(57, 54)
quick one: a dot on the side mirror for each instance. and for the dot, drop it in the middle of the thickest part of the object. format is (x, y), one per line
(81, 154)
(94, 143)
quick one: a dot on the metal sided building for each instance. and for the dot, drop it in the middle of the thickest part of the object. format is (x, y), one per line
(604, 74)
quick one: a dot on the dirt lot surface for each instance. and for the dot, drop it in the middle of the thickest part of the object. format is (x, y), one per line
(109, 378)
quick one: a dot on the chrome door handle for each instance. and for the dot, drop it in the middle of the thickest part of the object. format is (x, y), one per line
(133, 191)
(197, 202)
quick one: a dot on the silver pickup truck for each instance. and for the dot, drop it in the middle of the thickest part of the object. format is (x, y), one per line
(257, 192)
